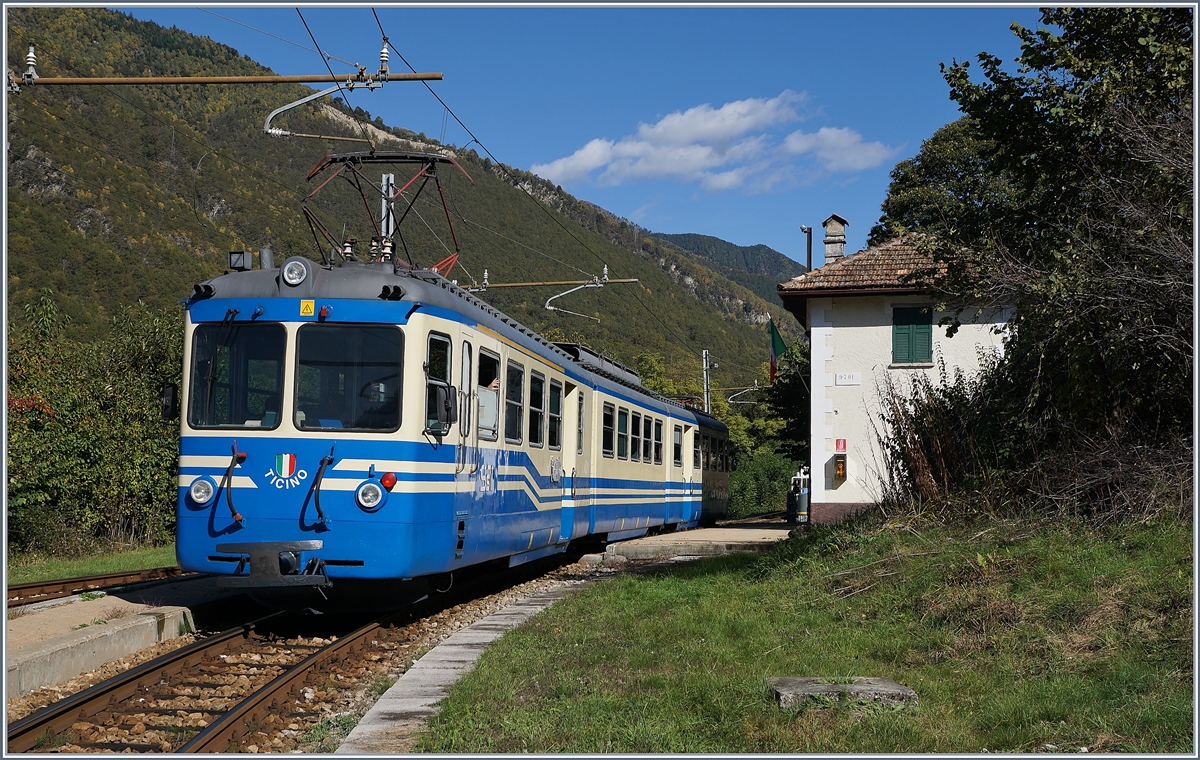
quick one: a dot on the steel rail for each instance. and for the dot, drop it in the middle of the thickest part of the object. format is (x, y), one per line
(37, 591)
(228, 729)
(24, 734)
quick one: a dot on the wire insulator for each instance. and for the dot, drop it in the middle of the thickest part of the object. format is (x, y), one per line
(277, 132)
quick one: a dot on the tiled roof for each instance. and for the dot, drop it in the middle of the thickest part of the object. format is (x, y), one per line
(882, 267)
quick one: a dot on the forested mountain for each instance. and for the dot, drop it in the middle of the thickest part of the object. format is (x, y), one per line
(126, 194)
(758, 267)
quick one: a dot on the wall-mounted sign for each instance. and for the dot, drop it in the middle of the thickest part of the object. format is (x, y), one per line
(847, 378)
(839, 446)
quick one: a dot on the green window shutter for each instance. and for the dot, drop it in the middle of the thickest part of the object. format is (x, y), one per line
(922, 343)
(912, 335)
(901, 344)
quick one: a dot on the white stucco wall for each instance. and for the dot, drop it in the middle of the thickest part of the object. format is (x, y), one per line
(851, 344)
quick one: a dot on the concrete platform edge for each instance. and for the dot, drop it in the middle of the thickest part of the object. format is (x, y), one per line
(64, 657)
(390, 725)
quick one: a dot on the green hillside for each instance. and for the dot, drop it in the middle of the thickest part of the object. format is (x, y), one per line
(127, 194)
(759, 268)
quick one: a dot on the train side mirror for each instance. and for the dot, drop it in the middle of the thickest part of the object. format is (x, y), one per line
(446, 407)
(170, 402)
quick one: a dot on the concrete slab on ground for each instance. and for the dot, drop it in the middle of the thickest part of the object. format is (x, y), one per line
(790, 691)
(392, 724)
(756, 536)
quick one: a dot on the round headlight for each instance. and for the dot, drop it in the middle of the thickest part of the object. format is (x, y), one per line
(202, 490)
(294, 272)
(369, 495)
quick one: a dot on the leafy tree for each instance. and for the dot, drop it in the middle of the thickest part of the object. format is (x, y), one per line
(1065, 193)
(1078, 214)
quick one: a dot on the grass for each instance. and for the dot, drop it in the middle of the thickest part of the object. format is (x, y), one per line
(31, 569)
(329, 732)
(1013, 639)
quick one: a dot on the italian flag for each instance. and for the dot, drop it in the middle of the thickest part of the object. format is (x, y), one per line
(285, 465)
(777, 347)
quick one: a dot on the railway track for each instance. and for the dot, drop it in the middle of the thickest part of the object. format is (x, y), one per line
(248, 685)
(39, 591)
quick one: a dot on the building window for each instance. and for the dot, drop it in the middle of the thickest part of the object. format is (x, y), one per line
(912, 335)
(636, 452)
(607, 425)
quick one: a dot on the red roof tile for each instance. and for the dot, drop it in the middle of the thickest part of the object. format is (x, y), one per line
(881, 267)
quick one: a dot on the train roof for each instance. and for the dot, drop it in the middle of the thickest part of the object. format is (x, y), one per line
(385, 281)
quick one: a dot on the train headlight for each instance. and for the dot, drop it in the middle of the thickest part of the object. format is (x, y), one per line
(370, 495)
(202, 490)
(294, 272)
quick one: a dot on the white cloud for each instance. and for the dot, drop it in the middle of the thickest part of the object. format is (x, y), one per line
(735, 146)
(839, 149)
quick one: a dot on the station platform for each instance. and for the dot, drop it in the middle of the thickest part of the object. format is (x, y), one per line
(757, 534)
(50, 642)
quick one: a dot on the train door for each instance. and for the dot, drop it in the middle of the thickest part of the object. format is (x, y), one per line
(466, 458)
(577, 449)
(485, 441)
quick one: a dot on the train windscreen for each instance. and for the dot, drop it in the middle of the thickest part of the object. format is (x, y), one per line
(236, 375)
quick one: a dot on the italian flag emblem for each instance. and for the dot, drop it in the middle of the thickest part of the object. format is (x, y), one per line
(285, 465)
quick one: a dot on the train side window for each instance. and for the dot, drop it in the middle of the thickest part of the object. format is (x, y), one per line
(658, 441)
(647, 442)
(579, 431)
(609, 414)
(696, 450)
(635, 452)
(537, 408)
(554, 427)
(677, 446)
(488, 389)
(440, 406)
(706, 453)
(514, 399)
(622, 433)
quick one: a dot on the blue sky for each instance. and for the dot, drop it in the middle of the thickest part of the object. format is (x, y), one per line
(741, 123)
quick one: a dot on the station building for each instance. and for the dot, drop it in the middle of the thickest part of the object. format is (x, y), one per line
(870, 325)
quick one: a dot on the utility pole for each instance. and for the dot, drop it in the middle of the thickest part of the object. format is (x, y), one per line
(707, 367)
(808, 231)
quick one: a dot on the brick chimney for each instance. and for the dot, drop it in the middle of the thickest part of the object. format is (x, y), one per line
(835, 238)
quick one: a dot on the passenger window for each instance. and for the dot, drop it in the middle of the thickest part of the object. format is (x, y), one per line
(607, 443)
(488, 389)
(554, 430)
(677, 454)
(514, 395)
(658, 441)
(696, 450)
(635, 452)
(441, 407)
(579, 432)
(622, 433)
(647, 442)
(537, 408)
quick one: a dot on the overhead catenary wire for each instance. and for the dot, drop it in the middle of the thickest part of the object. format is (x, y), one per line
(276, 36)
(682, 341)
(346, 100)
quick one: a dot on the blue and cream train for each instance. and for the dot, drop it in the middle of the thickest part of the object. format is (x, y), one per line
(350, 430)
